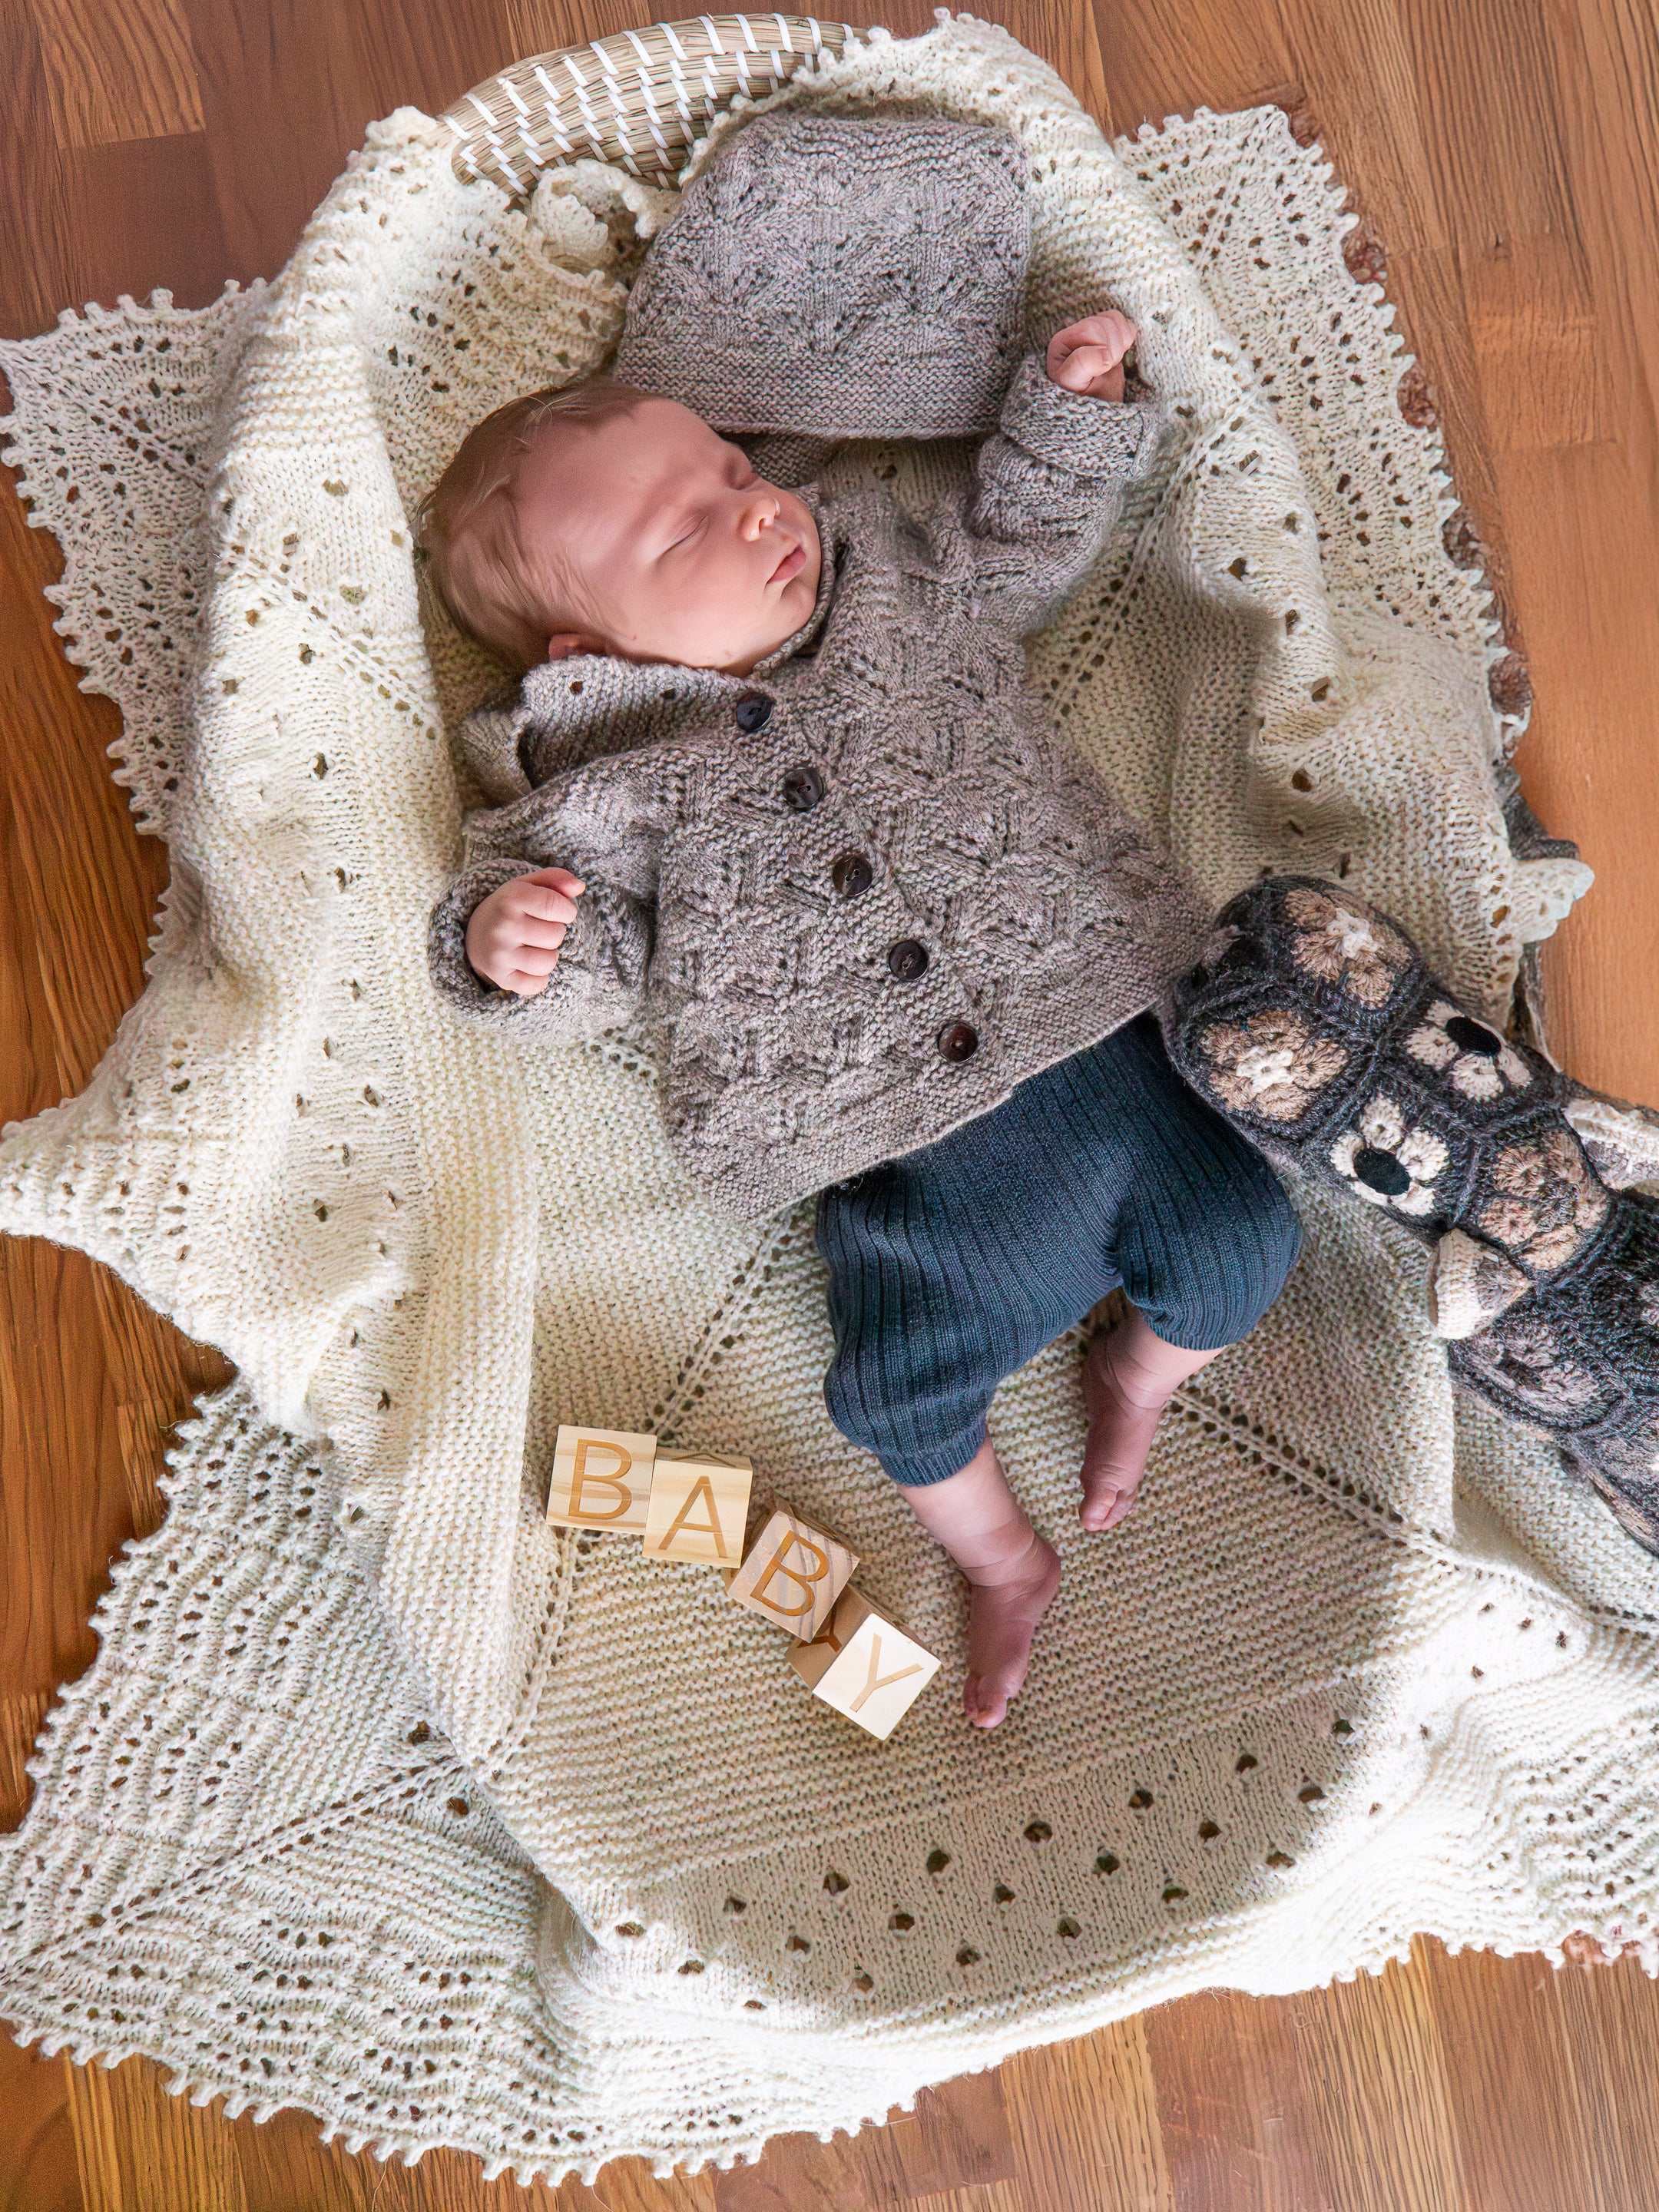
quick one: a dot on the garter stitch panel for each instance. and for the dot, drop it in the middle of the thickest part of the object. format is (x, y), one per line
(372, 1765)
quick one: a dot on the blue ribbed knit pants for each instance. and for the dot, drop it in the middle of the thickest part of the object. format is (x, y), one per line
(952, 1267)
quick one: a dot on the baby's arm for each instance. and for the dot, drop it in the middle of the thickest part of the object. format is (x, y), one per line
(520, 942)
(1050, 482)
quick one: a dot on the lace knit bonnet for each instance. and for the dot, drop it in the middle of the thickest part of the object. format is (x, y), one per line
(884, 262)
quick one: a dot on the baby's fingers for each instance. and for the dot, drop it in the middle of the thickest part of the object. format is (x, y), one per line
(1083, 367)
(533, 900)
(544, 936)
(560, 879)
(523, 984)
(525, 968)
(1110, 329)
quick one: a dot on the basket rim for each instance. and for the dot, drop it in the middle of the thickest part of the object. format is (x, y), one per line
(636, 97)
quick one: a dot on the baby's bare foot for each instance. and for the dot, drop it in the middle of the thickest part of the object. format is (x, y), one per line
(1002, 1619)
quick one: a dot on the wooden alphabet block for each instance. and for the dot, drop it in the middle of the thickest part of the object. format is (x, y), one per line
(864, 1666)
(601, 1479)
(792, 1575)
(699, 1508)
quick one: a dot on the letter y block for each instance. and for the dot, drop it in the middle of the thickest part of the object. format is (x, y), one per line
(864, 1666)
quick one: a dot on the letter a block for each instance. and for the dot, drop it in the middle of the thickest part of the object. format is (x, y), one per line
(601, 1479)
(792, 1576)
(864, 1667)
(699, 1508)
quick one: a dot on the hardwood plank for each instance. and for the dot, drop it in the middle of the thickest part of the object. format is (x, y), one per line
(427, 57)
(1370, 2079)
(124, 72)
(39, 2171)
(1208, 2104)
(282, 106)
(63, 1489)
(1581, 552)
(1591, 767)
(958, 2138)
(141, 2150)
(155, 1375)
(36, 277)
(286, 2168)
(124, 217)
(22, 1719)
(1525, 2140)
(1610, 2017)
(1084, 2120)
(1158, 60)
(86, 885)
(988, 2197)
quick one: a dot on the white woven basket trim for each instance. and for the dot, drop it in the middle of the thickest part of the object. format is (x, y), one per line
(644, 84)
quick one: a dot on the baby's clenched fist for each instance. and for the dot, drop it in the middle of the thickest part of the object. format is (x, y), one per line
(1087, 357)
(515, 935)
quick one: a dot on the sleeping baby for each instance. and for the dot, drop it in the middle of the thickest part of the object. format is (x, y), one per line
(776, 780)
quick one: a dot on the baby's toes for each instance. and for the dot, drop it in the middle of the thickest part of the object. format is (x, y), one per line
(1105, 1506)
(985, 1701)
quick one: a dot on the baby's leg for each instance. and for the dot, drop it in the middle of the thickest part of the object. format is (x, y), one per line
(1129, 1375)
(949, 1268)
(1013, 1573)
(1204, 1238)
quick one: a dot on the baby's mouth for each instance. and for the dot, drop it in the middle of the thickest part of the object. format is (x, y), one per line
(791, 565)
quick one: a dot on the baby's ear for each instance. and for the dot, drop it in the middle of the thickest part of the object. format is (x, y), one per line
(564, 642)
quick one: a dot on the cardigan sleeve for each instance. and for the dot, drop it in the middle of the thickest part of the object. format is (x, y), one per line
(586, 824)
(1049, 485)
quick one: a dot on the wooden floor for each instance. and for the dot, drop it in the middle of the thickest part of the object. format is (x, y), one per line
(1505, 156)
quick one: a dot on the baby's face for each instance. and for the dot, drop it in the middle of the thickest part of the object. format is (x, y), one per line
(682, 552)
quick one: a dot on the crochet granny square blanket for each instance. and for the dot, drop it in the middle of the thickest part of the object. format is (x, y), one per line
(387, 1800)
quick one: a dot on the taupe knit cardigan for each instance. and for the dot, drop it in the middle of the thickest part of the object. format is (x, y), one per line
(866, 889)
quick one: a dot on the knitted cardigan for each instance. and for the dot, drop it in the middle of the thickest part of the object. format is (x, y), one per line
(868, 886)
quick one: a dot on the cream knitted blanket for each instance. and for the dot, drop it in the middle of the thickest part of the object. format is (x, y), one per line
(386, 1800)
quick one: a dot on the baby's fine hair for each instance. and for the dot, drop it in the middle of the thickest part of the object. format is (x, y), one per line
(469, 527)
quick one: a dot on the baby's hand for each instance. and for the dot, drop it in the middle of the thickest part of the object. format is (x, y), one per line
(515, 935)
(1087, 357)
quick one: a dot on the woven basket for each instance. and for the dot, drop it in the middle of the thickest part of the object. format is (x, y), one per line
(639, 98)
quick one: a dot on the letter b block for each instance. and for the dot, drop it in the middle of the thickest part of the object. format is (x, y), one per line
(792, 1576)
(601, 1479)
(864, 1667)
(699, 1508)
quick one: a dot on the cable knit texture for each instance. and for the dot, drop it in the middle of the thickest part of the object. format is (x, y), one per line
(756, 847)
(863, 277)
(383, 1798)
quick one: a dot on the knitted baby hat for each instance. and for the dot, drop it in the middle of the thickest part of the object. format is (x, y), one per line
(855, 277)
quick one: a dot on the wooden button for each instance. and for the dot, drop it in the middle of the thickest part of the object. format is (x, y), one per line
(803, 788)
(959, 1041)
(753, 710)
(852, 874)
(908, 959)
